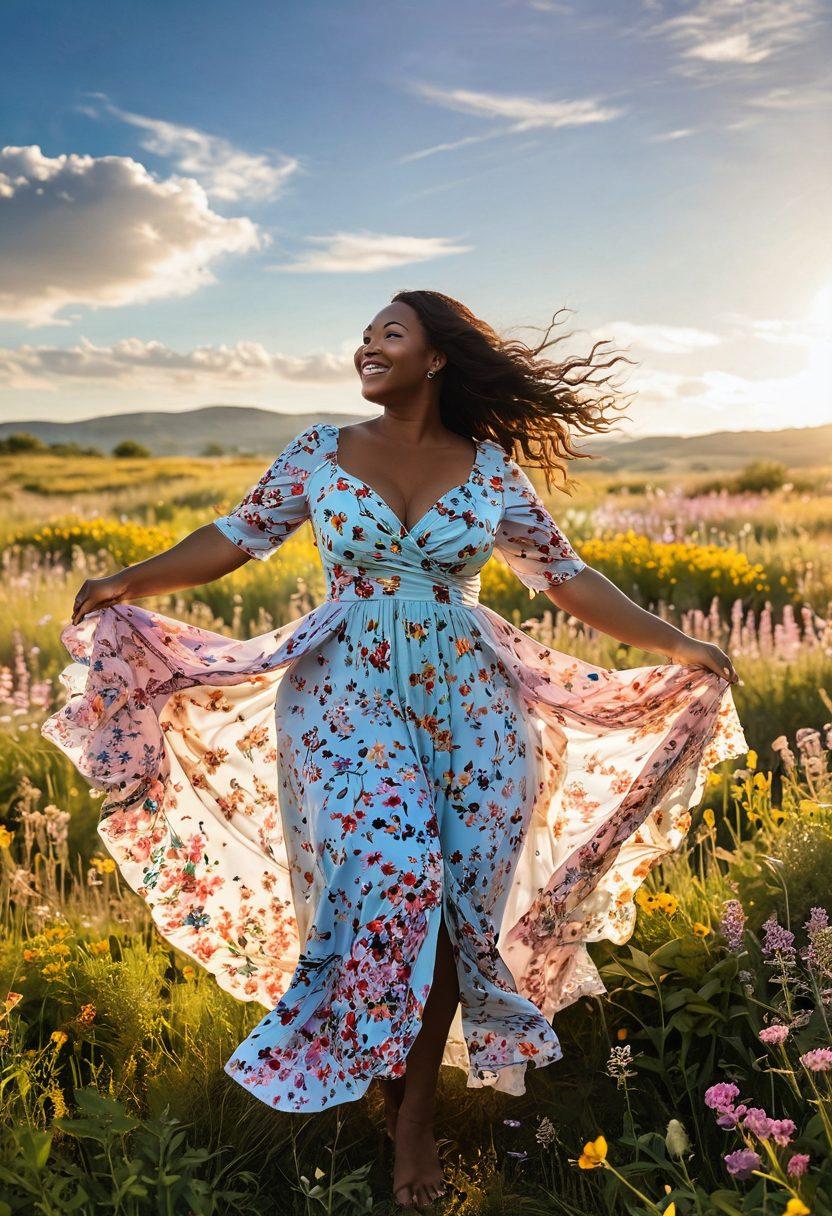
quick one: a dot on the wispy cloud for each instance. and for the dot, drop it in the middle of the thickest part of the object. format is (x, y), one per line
(745, 32)
(224, 171)
(367, 252)
(101, 231)
(516, 112)
(659, 339)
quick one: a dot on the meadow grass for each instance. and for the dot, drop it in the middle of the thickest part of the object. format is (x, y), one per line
(112, 1093)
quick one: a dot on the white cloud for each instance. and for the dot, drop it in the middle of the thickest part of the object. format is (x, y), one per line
(520, 112)
(662, 339)
(131, 360)
(745, 32)
(225, 172)
(103, 232)
(367, 252)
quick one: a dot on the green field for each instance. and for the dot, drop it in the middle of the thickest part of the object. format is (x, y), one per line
(112, 1044)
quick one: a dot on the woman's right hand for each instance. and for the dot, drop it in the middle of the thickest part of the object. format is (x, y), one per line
(96, 593)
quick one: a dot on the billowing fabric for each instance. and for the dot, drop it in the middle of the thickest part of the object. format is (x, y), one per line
(299, 810)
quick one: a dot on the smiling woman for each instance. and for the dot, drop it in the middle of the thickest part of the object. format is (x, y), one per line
(398, 821)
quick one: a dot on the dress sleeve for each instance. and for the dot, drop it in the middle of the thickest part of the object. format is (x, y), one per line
(528, 537)
(277, 504)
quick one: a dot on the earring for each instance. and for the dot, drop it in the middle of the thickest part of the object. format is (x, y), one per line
(431, 375)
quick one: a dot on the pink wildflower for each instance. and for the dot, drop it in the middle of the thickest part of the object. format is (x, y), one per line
(775, 1034)
(798, 1165)
(819, 1060)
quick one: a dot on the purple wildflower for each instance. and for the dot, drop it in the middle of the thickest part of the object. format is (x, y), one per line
(798, 1165)
(774, 1035)
(818, 919)
(722, 1095)
(741, 1163)
(819, 1060)
(732, 925)
(777, 940)
(760, 1125)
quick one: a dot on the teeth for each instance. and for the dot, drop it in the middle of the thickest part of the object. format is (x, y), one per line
(373, 367)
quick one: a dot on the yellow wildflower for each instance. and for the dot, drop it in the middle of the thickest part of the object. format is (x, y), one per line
(594, 1154)
(58, 1038)
(709, 817)
(699, 929)
(6, 837)
(796, 1207)
(188, 972)
(751, 760)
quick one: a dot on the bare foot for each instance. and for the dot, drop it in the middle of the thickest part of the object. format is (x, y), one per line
(393, 1090)
(417, 1173)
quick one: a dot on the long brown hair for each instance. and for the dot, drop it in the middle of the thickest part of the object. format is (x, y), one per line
(495, 388)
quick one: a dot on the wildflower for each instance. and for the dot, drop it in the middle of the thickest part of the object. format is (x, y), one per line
(798, 1165)
(742, 1163)
(808, 806)
(778, 941)
(819, 1060)
(188, 972)
(732, 925)
(751, 760)
(511, 1122)
(6, 837)
(594, 1154)
(668, 903)
(546, 1133)
(58, 1038)
(618, 1064)
(720, 1096)
(781, 746)
(760, 1125)
(796, 1207)
(819, 951)
(676, 1139)
(775, 1034)
(621, 1033)
(700, 930)
(646, 901)
(87, 1015)
(709, 817)
(12, 999)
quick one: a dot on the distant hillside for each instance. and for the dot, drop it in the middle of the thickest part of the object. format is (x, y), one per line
(250, 429)
(236, 428)
(797, 447)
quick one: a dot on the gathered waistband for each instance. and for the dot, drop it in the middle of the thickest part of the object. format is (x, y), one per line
(362, 587)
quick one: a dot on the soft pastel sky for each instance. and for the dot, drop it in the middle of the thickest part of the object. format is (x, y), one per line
(206, 202)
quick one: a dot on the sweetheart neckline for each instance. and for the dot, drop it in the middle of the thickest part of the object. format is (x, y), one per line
(463, 485)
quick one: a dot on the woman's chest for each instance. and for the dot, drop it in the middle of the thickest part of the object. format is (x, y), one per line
(353, 524)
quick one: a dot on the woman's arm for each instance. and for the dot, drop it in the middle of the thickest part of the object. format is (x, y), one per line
(597, 602)
(201, 557)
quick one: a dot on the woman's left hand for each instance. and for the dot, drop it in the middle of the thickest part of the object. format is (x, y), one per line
(693, 653)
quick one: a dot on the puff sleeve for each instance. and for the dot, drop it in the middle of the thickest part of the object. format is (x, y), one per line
(528, 537)
(277, 504)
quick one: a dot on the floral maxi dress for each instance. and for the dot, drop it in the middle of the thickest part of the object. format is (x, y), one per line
(298, 810)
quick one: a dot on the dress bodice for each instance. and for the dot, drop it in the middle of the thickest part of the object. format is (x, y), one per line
(367, 552)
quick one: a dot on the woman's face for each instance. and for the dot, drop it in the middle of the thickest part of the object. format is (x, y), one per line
(394, 357)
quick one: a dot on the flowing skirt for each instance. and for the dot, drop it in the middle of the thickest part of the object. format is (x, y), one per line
(299, 809)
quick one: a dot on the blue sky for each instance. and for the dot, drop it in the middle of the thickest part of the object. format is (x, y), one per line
(206, 203)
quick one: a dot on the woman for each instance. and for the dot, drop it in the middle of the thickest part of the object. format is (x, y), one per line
(342, 818)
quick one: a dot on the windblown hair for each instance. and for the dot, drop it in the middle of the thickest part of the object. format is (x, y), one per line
(495, 388)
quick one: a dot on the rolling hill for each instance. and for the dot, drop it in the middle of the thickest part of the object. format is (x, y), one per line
(256, 431)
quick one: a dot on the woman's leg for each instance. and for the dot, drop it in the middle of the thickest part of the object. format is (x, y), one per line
(417, 1174)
